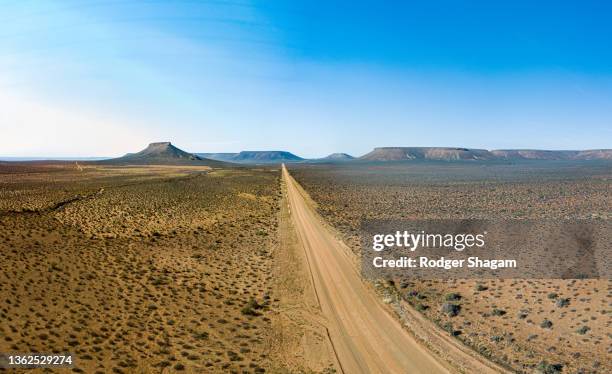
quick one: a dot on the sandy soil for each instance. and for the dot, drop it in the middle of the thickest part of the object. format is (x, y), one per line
(139, 270)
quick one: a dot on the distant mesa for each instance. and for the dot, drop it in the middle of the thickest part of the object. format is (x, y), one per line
(595, 154)
(536, 154)
(266, 157)
(452, 154)
(254, 157)
(338, 157)
(533, 154)
(224, 156)
(162, 153)
(426, 153)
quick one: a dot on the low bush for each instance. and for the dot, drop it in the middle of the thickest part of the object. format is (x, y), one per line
(498, 312)
(451, 309)
(546, 324)
(250, 309)
(453, 296)
(583, 330)
(546, 368)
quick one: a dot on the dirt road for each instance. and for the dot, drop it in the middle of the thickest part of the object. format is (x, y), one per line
(365, 337)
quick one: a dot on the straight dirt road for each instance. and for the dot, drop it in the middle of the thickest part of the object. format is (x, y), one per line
(365, 337)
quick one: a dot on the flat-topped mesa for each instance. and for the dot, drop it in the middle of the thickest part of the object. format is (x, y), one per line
(163, 153)
(165, 150)
(533, 154)
(160, 145)
(427, 153)
(459, 153)
(221, 156)
(538, 154)
(595, 154)
(265, 157)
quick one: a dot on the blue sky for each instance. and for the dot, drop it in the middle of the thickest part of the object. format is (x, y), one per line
(102, 78)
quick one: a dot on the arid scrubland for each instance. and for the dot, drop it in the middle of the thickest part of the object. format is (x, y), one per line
(550, 326)
(139, 269)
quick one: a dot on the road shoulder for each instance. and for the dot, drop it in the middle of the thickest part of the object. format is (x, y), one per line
(299, 341)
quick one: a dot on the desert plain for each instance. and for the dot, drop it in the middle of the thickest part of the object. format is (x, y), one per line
(525, 325)
(138, 269)
(193, 268)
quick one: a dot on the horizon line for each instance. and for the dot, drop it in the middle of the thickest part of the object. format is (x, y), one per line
(93, 158)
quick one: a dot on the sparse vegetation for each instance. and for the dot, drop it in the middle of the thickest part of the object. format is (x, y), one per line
(149, 273)
(583, 330)
(561, 303)
(453, 296)
(421, 307)
(347, 194)
(546, 368)
(251, 308)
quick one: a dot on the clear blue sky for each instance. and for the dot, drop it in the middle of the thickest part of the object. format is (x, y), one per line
(102, 78)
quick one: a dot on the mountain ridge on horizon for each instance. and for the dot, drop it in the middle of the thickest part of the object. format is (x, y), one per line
(416, 153)
(245, 157)
(461, 153)
(167, 153)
